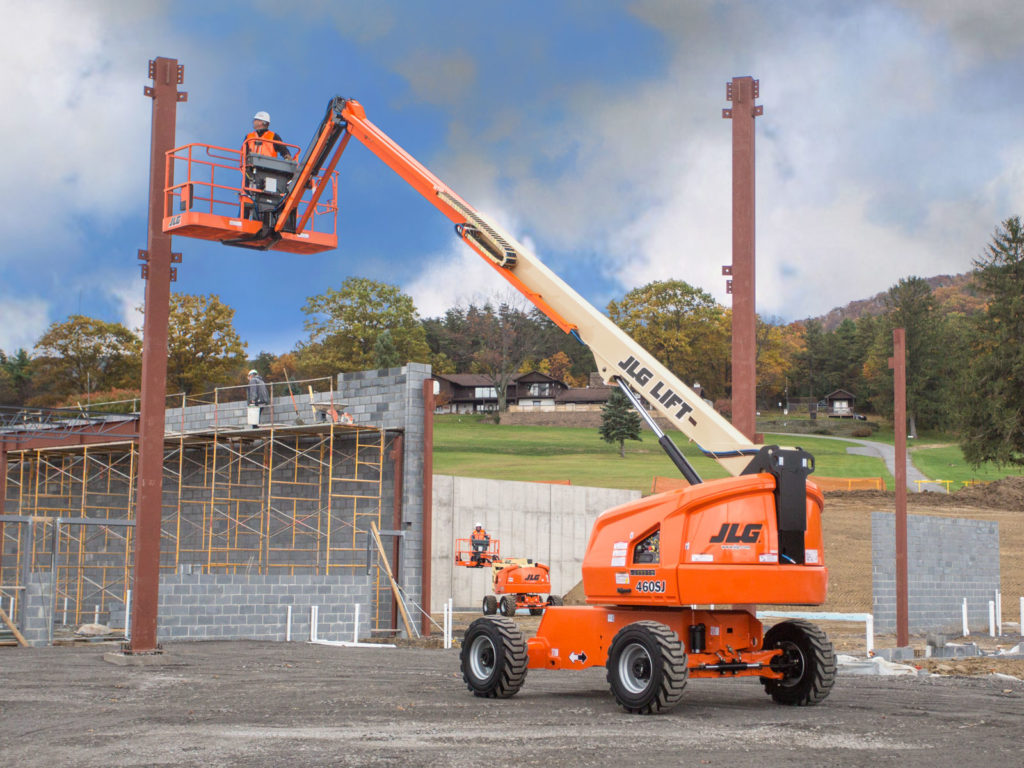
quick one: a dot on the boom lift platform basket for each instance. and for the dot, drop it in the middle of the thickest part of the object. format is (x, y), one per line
(219, 199)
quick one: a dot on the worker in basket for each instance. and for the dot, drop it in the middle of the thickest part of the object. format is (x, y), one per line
(264, 141)
(480, 542)
(260, 141)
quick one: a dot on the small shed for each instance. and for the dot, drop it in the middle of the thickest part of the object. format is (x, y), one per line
(840, 403)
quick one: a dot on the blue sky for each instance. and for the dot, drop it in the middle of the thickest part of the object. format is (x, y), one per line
(891, 144)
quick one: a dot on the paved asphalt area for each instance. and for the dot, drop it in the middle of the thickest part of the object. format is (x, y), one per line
(284, 704)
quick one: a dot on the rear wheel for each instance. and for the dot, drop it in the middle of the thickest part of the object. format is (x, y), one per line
(808, 662)
(490, 605)
(536, 611)
(647, 668)
(554, 600)
(508, 605)
(493, 658)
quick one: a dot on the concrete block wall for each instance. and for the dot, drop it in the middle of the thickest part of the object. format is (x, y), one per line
(548, 523)
(948, 559)
(37, 609)
(195, 606)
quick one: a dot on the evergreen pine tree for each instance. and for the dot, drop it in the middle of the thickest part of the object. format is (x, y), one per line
(992, 396)
(619, 422)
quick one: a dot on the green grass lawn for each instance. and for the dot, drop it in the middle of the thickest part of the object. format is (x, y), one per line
(469, 447)
(947, 463)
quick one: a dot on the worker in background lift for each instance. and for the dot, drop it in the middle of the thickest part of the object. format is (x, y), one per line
(264, 141)
(480, 542)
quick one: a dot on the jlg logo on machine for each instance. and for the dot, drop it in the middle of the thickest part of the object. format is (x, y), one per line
(729, 533)
(532, 577)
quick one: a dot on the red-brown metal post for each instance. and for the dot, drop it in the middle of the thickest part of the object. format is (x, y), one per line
(158, 273)
(898, 363)
(742, 92)
(398, 467)
(3, 478)
(428, 498)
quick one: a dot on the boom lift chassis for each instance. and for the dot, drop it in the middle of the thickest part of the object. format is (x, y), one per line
(656, 569)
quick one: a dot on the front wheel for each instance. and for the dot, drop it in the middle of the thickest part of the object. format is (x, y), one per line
(554, 600)
(490, 606)
(647, 668)
(508, 605)
(807, 661)
(493, 658)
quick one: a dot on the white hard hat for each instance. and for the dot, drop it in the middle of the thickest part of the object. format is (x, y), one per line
(479, 525)
(253, 372)
(261, 115)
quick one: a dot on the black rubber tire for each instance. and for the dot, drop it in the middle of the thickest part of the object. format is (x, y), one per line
(809, 659)
(508, 605)
(493, 658)
(647, 668)
(490, 606)
(554, 600)
(536, 611)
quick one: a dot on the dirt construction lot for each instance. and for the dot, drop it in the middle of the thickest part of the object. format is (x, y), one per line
(274, 704)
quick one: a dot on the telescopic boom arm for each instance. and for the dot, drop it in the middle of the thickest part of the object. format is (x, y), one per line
(620, 360)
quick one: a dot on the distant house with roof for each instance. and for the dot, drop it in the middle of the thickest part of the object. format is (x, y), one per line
(476, 393)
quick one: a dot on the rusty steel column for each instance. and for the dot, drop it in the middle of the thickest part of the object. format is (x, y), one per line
(398, 467)
(158, 273)
(428, 500)
(898, 363)
(742, 92)
(3, 478)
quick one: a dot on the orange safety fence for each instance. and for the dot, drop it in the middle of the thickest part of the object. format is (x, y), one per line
(555, 482)
(662, 484)
(848, 483)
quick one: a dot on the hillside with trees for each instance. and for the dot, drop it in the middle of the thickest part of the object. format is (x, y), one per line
(965, 336)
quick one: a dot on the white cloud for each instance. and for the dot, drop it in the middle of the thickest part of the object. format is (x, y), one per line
(73, 76)
(458, 276)
(128, 293)
(863, 177)
(22, 322)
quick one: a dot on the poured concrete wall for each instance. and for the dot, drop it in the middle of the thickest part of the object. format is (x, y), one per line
(547, 523)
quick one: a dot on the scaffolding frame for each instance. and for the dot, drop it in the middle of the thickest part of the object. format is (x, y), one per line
(275, 499)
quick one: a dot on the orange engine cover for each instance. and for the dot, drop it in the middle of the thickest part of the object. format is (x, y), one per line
(513, 579)
(713, 543)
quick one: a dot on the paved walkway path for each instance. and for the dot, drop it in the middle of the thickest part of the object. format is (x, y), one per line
(887, 453)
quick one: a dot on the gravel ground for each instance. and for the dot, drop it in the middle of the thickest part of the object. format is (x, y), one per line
(272, 704)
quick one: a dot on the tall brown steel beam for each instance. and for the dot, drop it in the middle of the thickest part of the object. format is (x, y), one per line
(742, 92)
(158, 273)
(898, 363)
(428, 500)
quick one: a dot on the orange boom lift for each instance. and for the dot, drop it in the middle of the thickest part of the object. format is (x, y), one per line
(519, 581)
(658, 573)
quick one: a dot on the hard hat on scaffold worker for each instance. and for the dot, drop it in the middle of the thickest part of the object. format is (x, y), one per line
(261, 115)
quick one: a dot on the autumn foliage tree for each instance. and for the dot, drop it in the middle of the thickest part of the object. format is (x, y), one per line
(204, 350)
(83, 354)
(683, 327)
(345, 325)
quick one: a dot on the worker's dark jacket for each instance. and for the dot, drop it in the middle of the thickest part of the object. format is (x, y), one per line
(258, 391)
